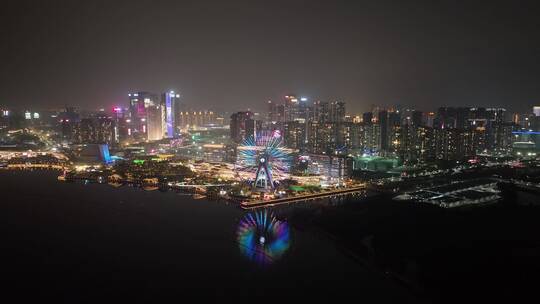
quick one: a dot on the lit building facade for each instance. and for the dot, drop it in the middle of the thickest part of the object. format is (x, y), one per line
(171, 104)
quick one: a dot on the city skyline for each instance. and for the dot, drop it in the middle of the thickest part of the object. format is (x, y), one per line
(160, 150)
(238, 55)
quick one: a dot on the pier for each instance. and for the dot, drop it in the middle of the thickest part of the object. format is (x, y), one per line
(248, 205)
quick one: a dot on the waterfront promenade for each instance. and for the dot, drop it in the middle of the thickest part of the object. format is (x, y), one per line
(248, 205)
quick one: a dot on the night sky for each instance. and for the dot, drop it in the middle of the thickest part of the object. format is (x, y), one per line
(233, 55)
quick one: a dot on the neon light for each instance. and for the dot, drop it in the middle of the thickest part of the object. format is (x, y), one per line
(169, 115)
(276, 159)
(104, 153)
(526, 132)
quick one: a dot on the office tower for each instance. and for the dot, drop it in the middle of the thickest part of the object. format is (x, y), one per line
(121, 124)
(252, 127)
(140, 103)
(154, 121)
(277, 112)
(170, 101)
(294, 108)
(296, 113)
(324, 130)
(290, 104)
(241, 126)
(137, 115)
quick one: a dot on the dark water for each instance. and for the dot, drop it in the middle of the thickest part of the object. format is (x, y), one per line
(85, 243)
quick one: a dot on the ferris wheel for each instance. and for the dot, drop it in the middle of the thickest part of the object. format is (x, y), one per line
(263, 160)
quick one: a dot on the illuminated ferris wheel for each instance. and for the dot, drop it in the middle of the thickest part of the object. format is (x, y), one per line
(263, 160)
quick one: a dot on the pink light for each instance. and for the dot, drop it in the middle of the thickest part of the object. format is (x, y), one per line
(117, 110)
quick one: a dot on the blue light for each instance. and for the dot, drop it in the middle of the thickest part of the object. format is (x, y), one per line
(169, 115)
(104, 153)
(526, 132)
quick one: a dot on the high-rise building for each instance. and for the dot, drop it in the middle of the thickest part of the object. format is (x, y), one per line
(317, 111)
(273, 114)
(276, 112)
(190, 119)
(121, 124)
(425, 143)
(94, 130)
(430, 119)
(154, 121)
(68, 119)
(417, 118)
(383, 124)
(4, 119)
(242, 125)
(367, 117)
(536, 110)
(335, 111)
(140, 104)
(497, 115)
(446, 143)
(322, 137)
(372, 137)
(295, 108)
(170, 101)
(450, 117)
(294, 134)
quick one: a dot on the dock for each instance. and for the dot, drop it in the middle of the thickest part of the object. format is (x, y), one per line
(248, 205)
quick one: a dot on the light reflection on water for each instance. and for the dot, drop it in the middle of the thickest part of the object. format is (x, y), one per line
(263, 238)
